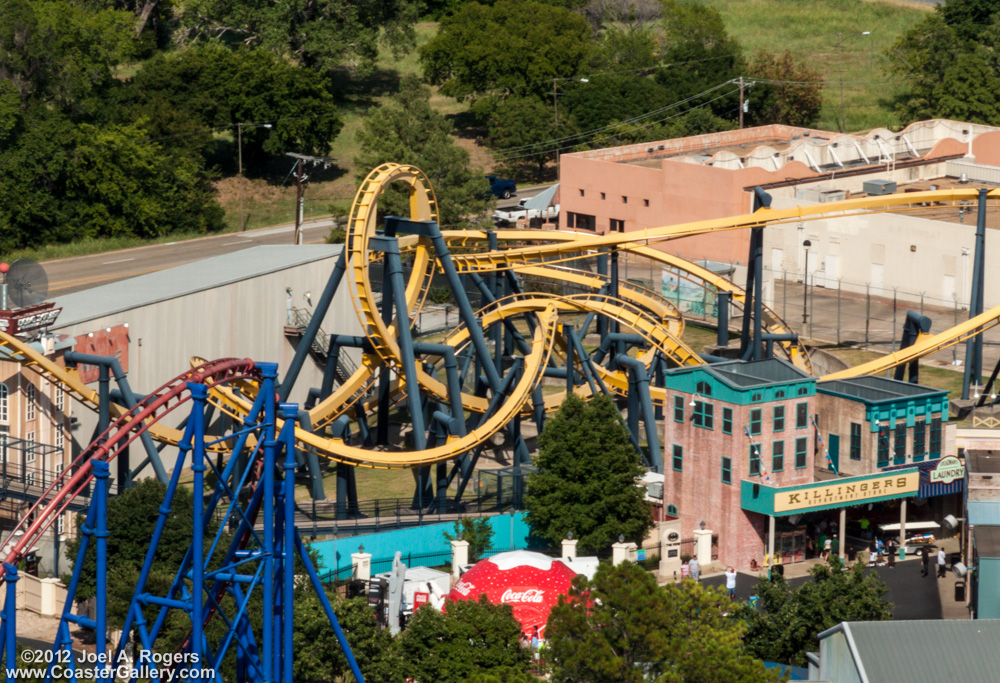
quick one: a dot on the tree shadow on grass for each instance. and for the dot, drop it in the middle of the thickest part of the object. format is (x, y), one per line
(360, 90)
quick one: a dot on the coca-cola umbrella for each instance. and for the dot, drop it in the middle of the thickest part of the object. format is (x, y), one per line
(530, 583)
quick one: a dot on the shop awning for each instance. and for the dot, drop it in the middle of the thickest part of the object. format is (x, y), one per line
(927, 488)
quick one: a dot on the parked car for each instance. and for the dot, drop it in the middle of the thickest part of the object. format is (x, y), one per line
(504, 217)
(500, 187)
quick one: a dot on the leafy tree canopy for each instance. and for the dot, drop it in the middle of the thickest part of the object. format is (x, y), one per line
(209, 86)
(406, 130)
(321, 34)
(477, 531)
(787, 622)
(585, 480)
(622, 627)
(60, 53)
(515, 47)
(470, 638)
(795, 103)
(523, 134)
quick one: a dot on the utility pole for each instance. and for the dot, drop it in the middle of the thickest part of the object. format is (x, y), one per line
(843, 111)
(741, 102)
(298, 203)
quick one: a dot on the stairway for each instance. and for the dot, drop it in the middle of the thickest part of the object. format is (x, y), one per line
(320, 345)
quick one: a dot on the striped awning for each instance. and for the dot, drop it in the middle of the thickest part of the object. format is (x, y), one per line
(927, 488)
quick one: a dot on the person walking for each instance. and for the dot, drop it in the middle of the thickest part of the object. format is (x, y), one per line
(695, 568)
(925, 559)
(872, 556)
(731, 583)
(827, 547)
(890, 548)
(941, 561)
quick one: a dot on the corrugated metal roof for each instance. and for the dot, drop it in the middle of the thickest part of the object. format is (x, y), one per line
(893, 651)
(983, 512)
(542, 200)
(189, 278)
(873, 388)
(757, 373)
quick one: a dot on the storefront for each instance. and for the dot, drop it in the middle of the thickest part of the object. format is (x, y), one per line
(941, 489)
(790, 504)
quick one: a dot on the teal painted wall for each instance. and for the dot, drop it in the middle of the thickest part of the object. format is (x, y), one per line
(428, 542)
(989, 588)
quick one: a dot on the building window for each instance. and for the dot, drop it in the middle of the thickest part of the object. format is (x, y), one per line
(801, 447)
(603, 195)
(617, 225)
(755, 398)
(803, 391)
(678, 458)
(855, 441)
(727, 420)
(755, 419)
(935, 438)
(29, 448)
(754, 460)
(919, 441)
(900, 445)
(61, 524)
(581, 192)
(779, 418)
(779, 394)
(778, 456)
(645, 202)
(624, 199)
(704, 388)
(704, 415)
(60, 438)
(678, 408)
(672, 510)
(4, 414)
(727, 470)
(883, 446)
(60, 399)
(580, 221)
(29, 394)
(801, 415)
(29, 477)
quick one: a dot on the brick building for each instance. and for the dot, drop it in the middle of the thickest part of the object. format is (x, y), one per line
(871, 423)
(728, 423)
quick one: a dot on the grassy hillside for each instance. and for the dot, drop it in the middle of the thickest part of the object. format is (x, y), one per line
(812, 29)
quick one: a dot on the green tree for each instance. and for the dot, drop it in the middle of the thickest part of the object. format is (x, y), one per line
(700, 55)
(318, 655)
(61, 53)
(515, 47)
(477, 531)
(586, 475)
(622, 627)
(406, 130)
(523, 135)
(470, 638)
(794, 99)
(209, 86)
(321, 34)
(787, 621)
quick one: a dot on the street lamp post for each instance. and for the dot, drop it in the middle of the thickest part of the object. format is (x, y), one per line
(805, 284)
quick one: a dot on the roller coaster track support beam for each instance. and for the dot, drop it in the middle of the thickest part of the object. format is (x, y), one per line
(640, 400)
(108, 364)
(769, 340)
(8, 631)
(602, 322)
(974, 346)
(722, 313)
(322, 306)
(613, 293)
(750, 340)
(913, 326)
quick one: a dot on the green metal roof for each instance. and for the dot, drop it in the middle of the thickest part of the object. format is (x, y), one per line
(875, 389)
(894, 651)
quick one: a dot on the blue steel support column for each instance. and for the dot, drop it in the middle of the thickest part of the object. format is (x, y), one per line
(101, 473)
(758, 291)
(406, 345)
(384, 375)
(322, 306)
(722, 302)
(973, 346)
(103, 399)
(199, 395)
(289, 412)
(270, 371)
(496, 332)
(570, 358)
(602, 322)
(614, 327)
(10, 615)
(638, 370)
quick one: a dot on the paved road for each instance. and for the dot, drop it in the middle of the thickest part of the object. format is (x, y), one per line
(84, 272)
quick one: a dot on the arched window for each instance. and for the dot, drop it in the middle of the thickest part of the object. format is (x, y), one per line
(704, 388)
(779, 394)
(672, 510)
(4, 419)
(29, 402)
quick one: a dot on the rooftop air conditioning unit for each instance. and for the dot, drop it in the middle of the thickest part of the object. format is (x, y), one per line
(878, 187)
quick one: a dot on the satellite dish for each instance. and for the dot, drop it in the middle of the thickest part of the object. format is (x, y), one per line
(27, 283)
